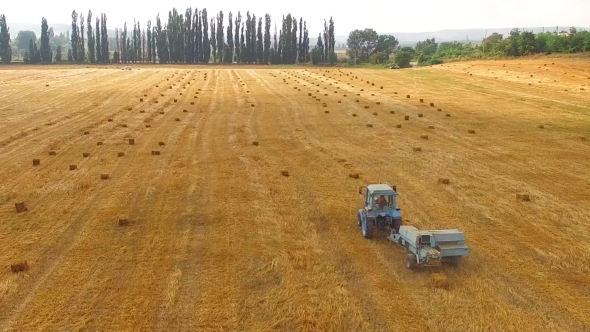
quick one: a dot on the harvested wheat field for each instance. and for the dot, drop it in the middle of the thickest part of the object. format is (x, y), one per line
(225, 198)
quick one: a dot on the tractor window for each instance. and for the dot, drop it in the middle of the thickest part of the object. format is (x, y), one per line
(383, 202)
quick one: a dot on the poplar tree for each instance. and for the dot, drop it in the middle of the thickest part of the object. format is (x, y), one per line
(266, 58)
(45, 51)
(90, 39)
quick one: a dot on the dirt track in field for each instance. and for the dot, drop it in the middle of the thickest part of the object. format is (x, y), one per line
(220, 240)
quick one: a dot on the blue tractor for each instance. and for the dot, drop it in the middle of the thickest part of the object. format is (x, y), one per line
(380, 210)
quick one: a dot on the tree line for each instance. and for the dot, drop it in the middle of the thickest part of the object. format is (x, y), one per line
(366, 46)
(189, 37)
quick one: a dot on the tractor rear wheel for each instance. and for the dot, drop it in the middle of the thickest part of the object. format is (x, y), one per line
(367, 229)
(411, 261)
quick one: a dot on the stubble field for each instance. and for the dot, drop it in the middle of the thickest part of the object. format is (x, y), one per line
(219, 239)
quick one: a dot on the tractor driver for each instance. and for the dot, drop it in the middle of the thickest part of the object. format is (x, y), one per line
(381, 202)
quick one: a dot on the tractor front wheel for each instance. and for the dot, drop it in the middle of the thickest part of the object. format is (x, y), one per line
(411, 261)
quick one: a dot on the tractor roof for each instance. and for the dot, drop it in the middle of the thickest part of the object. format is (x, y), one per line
(380, 189)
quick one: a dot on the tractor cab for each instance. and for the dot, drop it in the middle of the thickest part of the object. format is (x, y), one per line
(380, 209)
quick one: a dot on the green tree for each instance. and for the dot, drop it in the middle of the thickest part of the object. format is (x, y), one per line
(403, 58)
(58, 54)
(294, 41)
(266, 56)
(300, 54)
(307, 55)
(5, 49)
(149, 41)
(252, 51)
(31, 53)
(70, 56)
(316, 55)
(230, 39)
(260, 43)
(81, 47)
(386, 44)
(90, 39)
(237, 37)
(45, 50)
(331, 42)
(220, 39)
(104, 43)
(98, 49)
(361, 44)
(206, 44)
(287, 42)
(23, 37)
(213, 40)
(247, 45)
(75, 37)
(320, 49)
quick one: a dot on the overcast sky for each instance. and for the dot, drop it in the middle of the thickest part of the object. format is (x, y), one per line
(381, 15)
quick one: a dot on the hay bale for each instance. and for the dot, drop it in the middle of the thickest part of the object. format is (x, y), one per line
(424, 137)
(73, 167)
(20, 207)
(448, 115)
(325, 105)
(407, 117)
(177, 119)
(104, 176)
(161, 112)
(155, 101)
(339, 102)
(357, 100)
(98, 143)
(124, 125)
(326, 112)
(141, 99)
(175, 100)
(523, 197)
(369, 125)
(36, 162)
(440, 281)
(541, 126)
(120, 154)
(416, 149)
(353, 114)
(431, 104)
(251, 105)
(19, 267)
(145, 94)
(184, 111)
(142, 111)
(375, 113)
(430, 127)
(407, 96)
(285, 173)
(86, 133)
(366, 106)
(255, 143)
(123, 221)
(421, 100)
(155, 153)
(382, 87)
(353, 175)
(52, 153)
(161, 143)
(471, 131)
(440, 109)
(420, 115)
(148, 126)
(86, 154)
(110, 120)
(378, 103)
(131, 141)
(583, 138)
(391, 112)
(444, 181)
